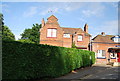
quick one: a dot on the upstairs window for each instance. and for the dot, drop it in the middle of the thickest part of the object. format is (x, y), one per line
(66, 35)
(51, 32)
(116, 39)
(80, 38)
(101, 54)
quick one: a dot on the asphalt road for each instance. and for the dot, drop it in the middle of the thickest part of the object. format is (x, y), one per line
(102, 72)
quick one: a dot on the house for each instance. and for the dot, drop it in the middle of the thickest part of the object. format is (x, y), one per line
(107, 48)
(51, 33)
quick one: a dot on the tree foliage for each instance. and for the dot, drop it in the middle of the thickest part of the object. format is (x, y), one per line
(7, 34)
(31, 35)
(1, 21)
(25, 41)
(73, 45)
(32, 61)
(1, 24)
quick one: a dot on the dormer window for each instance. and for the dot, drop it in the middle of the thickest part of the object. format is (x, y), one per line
(66, 35)
(116, 39)
(51, 32)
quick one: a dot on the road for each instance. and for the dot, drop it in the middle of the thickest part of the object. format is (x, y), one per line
(103, 72)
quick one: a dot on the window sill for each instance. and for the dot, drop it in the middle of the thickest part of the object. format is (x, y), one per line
(66, 38)
(113, 58)
(51, 37)
(101, 57)
(79, 41)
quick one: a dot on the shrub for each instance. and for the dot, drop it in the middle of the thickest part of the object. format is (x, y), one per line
(35, 61)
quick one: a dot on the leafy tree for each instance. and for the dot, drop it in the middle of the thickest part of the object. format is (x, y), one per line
(26, 41)
(1, 21)
(32, 34)
(73, 45)
(7, 34)
(1, 24)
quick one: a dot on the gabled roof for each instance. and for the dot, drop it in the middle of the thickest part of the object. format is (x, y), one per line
(74, 30)
(103, 38)
(70, 30)
(52, 17)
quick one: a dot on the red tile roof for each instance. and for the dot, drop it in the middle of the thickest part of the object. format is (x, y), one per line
(52, 17)
(103, 38)
(74, 30)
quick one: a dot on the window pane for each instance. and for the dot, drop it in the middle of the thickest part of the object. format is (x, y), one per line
(79, 38)
(101, 53)
(54, 32)
(66, 35)
(48, 32)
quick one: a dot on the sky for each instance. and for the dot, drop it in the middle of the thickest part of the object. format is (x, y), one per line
(100, 16)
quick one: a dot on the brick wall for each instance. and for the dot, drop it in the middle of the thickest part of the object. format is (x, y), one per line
(100, 46)
(59, 40)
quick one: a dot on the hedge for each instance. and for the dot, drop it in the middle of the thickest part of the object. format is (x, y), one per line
(36, 61)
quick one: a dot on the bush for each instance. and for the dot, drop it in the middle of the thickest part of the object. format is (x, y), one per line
(33, 61)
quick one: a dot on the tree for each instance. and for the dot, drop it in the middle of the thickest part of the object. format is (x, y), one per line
(31, 34)
(7, 34)
(25, 41)
(73, 45)
(1, 24)
(1, 21)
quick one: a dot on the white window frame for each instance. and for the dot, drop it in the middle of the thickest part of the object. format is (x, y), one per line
(80, 38)
(101, 54)
(66, 35)
(113, 55)
(116, 39)
(51, 32)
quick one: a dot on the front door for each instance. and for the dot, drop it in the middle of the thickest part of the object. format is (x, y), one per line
(118, 56)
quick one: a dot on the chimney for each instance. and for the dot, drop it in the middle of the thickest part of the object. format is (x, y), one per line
(86, 28)
(43, 22)
(103, 33)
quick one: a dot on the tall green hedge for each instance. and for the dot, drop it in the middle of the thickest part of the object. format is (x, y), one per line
(32, 61)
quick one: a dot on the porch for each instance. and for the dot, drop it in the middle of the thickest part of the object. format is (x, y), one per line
(116, 53)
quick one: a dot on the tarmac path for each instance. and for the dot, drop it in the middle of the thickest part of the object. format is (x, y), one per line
(95, 72)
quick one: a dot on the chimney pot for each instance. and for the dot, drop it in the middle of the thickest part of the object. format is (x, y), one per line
(86, 28)
(43, 22)
(103, 33)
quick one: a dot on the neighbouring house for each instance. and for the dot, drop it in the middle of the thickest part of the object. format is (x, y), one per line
(107, 48)
(52, 34)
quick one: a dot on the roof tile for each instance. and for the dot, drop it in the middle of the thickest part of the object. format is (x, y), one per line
(102, 38)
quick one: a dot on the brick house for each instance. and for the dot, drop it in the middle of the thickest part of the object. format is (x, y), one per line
(107, 48)
(52, 34)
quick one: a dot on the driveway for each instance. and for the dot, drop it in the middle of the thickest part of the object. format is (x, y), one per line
(95, 72)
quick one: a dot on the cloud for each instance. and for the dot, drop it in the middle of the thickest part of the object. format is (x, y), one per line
(4, 7)
(110, 27)
(30, 12)
(61, 7)
(72, 6)
(94, 9)
(114, 4)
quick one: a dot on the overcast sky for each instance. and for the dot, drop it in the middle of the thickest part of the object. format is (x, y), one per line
(100, 16)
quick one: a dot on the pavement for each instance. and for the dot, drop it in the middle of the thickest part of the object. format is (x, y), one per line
(96, 71)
